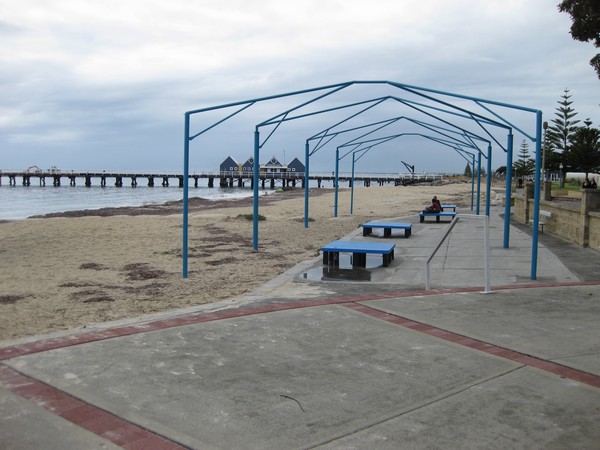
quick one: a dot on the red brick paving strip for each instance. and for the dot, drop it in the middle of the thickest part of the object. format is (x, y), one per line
(194, 318)
(465, 341)
(84, 415)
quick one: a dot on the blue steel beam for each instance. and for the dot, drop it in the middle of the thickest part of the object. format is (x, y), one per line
(432, 127)
(383, 140)
(415, 90)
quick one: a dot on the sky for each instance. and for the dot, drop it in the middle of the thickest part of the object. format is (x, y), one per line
(104, 85)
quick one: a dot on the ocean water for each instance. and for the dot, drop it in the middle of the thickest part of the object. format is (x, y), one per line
(19, 202)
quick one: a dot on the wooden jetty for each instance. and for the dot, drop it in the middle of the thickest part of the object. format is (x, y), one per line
(226, 179)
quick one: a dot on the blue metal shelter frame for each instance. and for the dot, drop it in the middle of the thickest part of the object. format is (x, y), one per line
(452, 139)
(371, 143)
(489, 118)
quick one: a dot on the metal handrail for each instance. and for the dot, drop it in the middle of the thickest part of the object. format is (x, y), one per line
(486, 248)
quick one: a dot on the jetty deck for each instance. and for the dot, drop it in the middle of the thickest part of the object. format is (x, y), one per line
(225, 179)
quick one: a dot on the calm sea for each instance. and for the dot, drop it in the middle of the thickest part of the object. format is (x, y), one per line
(20, 202)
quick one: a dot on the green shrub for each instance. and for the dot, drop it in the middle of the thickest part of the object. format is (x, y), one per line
(250, 216)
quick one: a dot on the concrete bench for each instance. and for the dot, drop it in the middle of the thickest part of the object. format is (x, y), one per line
(387, 228)
(359, 250)
(437, 216)
(452, 207)
(544, 215)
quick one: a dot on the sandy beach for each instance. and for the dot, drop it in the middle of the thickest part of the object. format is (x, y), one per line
(72, 270)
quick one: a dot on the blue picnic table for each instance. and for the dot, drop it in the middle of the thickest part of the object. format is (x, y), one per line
(437, 216)
(359, 250)
(387, 228)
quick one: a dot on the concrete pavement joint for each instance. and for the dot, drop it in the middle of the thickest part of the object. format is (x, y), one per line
(422, 405)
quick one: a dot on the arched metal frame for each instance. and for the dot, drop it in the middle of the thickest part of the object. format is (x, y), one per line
(441, 98)
(452, 139)
(375, 142)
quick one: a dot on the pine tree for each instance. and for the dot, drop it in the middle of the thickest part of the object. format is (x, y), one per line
(561, 133)
(468, 172)
(584, 152)
(525, 165)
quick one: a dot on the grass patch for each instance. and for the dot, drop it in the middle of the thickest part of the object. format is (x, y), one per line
(250, 216)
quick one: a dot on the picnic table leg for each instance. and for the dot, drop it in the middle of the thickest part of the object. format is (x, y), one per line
(437, 219)
(359, 260)
(407, 232)
(421, 219)
(367, 231)
(331, 258)
(387, 232)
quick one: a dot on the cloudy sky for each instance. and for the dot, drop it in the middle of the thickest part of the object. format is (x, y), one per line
(104, 85)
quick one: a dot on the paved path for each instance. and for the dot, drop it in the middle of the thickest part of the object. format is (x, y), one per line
(338, 363)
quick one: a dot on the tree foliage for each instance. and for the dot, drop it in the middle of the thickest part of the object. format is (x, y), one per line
(563, 127)
(468, 172)
(500, 171)
(585, 15)
(525, 165)
(584, 153)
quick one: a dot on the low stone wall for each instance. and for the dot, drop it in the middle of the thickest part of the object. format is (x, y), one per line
(594, 240)
(575, 218)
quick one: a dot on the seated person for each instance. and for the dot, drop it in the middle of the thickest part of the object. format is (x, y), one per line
(435, 207)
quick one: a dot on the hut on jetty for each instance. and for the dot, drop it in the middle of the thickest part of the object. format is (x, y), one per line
(272, 170)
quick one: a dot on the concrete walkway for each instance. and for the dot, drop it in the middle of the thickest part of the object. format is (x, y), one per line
(317, 359)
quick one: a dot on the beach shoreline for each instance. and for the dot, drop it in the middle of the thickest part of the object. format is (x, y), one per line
(72, 270)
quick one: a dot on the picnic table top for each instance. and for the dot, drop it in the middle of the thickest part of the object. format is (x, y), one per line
(359, 246)
(376, 224)
(442, 213)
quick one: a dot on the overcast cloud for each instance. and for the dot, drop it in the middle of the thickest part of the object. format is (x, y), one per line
(104, 85)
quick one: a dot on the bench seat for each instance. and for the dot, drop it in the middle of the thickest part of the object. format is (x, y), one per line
(544, 215)
(359, 250)
(437, 216)
(387, 228)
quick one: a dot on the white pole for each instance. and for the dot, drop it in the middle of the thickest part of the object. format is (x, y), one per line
(486, 254)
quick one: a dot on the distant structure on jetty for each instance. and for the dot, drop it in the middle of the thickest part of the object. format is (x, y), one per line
(230, 174)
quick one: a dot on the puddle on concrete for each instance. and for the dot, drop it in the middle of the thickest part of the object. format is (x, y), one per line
(345, 272)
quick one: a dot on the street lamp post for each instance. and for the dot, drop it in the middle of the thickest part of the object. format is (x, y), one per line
(561, 180)
(544, 153)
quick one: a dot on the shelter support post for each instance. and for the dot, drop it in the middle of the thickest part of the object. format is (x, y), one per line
(255, 202)
(508, 194)
(536, 195)
(336, 182)
(352, 184)
(306, 178)
(186, 169)
(488, 184)
(472, 182)
(478, 199)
